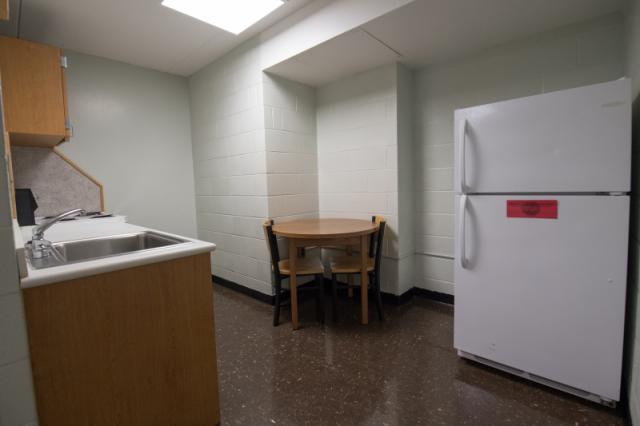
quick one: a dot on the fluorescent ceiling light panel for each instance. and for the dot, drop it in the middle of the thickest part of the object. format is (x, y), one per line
(234, 16)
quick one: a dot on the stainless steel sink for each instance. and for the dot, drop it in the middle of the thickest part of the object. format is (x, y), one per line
(67, 252)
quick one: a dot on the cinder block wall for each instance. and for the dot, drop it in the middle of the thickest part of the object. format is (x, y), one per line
(228, 137)
(379, 142)
(577, 55)
(364, 160)
(255, 156)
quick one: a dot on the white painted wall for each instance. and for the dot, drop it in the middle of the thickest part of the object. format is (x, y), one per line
(228, 136)
(254, 152)
(253, 138)
(291, 151)
(132, 132)
(17, 402)
(363, 131)
(632, 343)
(357, 148)
(576, 55)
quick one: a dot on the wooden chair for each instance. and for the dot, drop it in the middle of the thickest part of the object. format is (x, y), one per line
(350, 265)
(304, 267)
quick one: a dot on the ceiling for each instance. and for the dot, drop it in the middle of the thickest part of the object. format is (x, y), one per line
(144, 33)
(431, 31)
(139, 32)
(350, 53)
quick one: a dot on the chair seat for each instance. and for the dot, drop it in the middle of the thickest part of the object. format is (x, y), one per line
(304, 266)
(349, 265)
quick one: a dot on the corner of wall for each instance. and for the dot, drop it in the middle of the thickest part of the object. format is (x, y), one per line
(228, 122)
(632, 337)
(406, 187)
(291, 148)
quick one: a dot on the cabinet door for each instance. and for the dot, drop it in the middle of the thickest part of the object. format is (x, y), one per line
(33, 92)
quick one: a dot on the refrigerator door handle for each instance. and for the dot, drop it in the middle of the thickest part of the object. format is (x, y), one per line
(462, 255)
(462, 134)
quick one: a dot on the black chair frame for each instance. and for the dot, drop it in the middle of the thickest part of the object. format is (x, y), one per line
(375, 252)
(277, 277)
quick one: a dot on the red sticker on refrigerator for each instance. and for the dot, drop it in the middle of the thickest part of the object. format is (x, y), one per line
(534, 209)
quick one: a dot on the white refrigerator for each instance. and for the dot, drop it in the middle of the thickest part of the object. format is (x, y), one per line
(542, 228)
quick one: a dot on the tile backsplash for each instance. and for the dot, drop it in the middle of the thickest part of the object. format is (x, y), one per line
(56, 185)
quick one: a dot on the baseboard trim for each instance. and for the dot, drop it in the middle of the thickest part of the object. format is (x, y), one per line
(434, 295)
(394, 299)
(388, 298)
(244, 290)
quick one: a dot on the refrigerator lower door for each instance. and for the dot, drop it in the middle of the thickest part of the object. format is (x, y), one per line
(540, 285)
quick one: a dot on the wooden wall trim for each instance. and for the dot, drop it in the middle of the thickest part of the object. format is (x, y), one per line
(7, 155)
(84, 173)
(11, 184)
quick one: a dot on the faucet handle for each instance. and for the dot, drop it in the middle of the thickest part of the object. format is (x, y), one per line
(39, 248)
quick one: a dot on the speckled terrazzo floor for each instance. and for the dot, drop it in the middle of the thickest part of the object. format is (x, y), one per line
(400, 372)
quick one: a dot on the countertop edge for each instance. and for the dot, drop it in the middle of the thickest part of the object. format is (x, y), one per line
(116, 263)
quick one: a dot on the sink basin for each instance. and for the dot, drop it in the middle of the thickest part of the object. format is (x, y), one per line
(67, 252)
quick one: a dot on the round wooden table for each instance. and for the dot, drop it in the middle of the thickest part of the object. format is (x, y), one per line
(327, 232)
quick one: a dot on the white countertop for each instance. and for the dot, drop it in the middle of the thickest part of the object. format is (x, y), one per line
(80, 229)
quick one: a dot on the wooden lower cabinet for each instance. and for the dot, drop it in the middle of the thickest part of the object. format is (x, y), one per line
(129, 347)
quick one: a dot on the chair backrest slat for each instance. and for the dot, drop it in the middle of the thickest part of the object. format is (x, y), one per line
(377, 240)
(272, 244)
(379, 246)
(372, 240)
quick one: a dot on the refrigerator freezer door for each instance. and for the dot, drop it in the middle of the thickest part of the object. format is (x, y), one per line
(541, 294)
(576, 140)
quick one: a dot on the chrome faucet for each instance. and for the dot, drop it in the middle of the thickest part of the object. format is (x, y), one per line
(38, 245)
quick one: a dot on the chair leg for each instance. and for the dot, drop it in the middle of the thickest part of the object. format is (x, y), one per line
(378, 297)
(276, 306)
(334, 293)
(349, 277)
(320, 298)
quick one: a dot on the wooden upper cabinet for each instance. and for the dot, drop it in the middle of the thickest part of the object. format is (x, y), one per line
(33, 89)
(4, 10)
